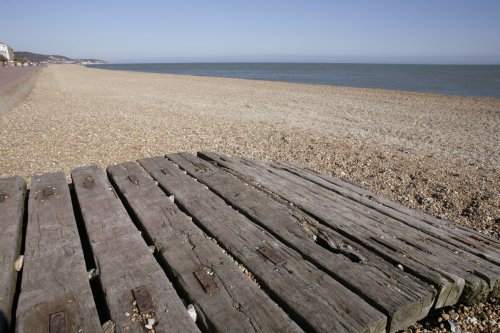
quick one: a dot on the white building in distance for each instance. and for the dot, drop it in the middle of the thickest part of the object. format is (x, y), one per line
(6, 53)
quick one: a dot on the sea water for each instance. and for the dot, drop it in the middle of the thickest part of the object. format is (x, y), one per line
(466, 80)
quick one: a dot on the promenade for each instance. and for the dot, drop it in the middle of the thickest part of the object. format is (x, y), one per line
(15, 84)
(9, 76)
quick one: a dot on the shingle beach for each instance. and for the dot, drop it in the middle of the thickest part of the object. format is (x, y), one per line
(435, 153)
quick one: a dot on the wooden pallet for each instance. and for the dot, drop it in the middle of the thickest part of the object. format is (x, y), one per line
(245, 245)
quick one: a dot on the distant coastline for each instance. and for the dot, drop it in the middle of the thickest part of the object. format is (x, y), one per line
(457, 80)
(55, 59)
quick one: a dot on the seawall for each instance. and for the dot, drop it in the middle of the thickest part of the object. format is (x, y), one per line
(15, 84)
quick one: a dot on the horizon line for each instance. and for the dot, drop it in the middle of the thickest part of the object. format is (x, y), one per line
(298, 62)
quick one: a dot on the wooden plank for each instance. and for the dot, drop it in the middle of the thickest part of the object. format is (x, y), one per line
(12, 196)
(402, 298)
(124, 260)
(447, 231)
(475, 290)
(455, 255)
(55, 287)
(313, 298)
(428, 258)
(224, 296)
(438, 222)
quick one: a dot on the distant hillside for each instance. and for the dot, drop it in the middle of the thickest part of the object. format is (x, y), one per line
(39, 57)
(55, 59)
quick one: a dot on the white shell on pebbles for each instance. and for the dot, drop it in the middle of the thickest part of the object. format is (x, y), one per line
(151, 322)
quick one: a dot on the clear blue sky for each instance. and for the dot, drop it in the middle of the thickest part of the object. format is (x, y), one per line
(389, 31)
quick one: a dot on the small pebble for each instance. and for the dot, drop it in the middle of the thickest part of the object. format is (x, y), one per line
(18, 264)
(192, 312)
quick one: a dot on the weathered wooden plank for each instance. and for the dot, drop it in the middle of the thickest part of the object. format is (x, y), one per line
(447, 231)
(493, 242)
(444, 251)
(421, 254)
(55, 287)
(402, 298)
(438, 222)
(12, 197)
(486, 270)
(124, 260)
(225, 298)
(311, 296)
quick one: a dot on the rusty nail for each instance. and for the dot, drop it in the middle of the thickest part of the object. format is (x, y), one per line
(133, 179)
(48, 191)
(201, 167)
(89, 182)
(207, 281)
(272, 256)
(143, 299)
(166, 172)
(57, 322)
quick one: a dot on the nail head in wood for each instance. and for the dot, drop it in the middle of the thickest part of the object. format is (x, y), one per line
(89, 182)
(143, 299)
(166, 172)
(57, 322)
(272, 256)
(48, 191)
(200, 167)
(134, 179)
(207, 281)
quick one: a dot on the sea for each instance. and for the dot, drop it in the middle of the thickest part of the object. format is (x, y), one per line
(462, 80)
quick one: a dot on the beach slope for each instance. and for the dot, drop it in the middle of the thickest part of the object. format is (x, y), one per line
(436, 153)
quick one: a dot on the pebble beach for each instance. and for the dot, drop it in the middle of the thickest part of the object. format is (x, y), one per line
(435, 153)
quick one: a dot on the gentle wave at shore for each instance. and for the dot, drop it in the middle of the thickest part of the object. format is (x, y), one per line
(466, 80)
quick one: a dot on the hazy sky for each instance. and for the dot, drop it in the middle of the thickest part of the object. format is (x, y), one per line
(390, 31)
